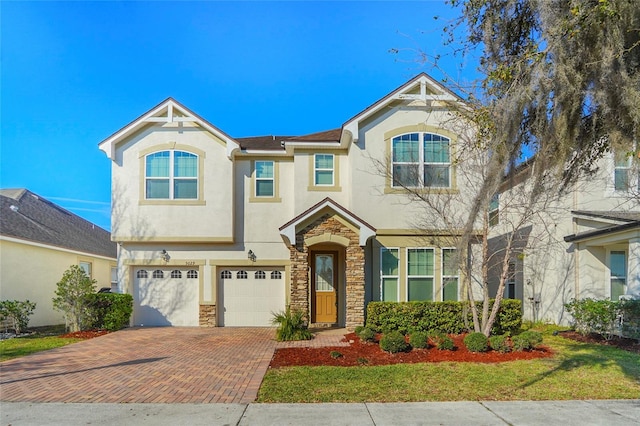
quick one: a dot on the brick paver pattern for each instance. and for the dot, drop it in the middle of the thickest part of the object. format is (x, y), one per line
(153, 365)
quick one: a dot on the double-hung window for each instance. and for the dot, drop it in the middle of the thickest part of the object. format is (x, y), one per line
(420, 272)
(171, 175)
(494, 210)
(265, 179)
(626, 175)
(389, 274)
(618, 269)
(450, 276)
(421, 160)
(323, 170)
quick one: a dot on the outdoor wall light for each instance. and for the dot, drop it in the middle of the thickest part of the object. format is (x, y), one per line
(251, 255)
(165, 256)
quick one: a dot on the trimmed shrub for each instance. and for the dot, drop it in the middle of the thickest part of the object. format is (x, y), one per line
(630, 314)
(358, 329)
(526, 340)
(110, 311)
(476, 342)
(499, 343)
(442, 341)
(335, 354)
(594, 316)
(445, 317)
(291, 325)
(18, 312)
(367, 335)
(419, 339)
(393, 342)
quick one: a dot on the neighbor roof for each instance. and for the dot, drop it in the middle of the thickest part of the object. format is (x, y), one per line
(27, 216)
(628, 220)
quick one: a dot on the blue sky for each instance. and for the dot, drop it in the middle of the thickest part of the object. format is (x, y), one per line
(72, 73)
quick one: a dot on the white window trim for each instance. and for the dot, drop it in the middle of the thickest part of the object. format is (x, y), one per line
(443, 276)
(171, 176)
(495, 211)
(407, 276)
(397, 277)
(611, 276)
(421, 163)
(320, 169)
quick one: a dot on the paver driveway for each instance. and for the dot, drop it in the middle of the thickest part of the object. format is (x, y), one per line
(167, 364)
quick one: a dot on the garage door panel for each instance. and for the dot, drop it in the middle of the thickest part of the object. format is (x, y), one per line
(250, 301)
(166, 301)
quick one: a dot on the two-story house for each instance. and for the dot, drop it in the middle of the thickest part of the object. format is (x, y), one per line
(582, 243)
(221, 231)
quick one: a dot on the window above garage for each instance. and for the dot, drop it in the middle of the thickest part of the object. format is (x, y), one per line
(171, 174)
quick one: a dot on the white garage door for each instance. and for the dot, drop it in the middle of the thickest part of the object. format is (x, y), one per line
(165, 296)
(249, 296)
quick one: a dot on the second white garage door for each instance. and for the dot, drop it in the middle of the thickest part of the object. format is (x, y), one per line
(248, 297)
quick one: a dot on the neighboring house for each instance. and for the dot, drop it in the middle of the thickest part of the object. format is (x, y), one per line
(38, 242)
(222, 231)
(586, 243)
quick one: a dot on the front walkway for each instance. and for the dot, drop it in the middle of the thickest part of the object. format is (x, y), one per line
(160, 365)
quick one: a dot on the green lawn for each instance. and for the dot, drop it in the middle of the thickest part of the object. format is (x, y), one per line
(43, 339)
(578, 371)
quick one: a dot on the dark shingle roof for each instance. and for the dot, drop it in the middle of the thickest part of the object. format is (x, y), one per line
(626, 216)
(27, 216)
(271, 142)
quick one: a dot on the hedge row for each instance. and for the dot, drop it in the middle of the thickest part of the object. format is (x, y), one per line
(443, 317)
(110, 311)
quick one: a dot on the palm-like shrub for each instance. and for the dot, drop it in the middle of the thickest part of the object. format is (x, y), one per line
(291, 325)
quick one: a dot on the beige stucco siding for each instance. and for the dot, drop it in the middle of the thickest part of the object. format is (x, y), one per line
(31, 272)
(209, 218)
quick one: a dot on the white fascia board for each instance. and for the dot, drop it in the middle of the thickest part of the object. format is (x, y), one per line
(56, 248)
(265, 152)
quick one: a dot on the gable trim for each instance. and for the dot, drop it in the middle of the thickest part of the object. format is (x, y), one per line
(288, 230)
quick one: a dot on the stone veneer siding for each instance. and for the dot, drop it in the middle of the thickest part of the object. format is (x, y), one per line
(207, 316)
(300, 283)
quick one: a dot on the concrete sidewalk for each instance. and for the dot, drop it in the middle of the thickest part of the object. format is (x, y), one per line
(544, 413)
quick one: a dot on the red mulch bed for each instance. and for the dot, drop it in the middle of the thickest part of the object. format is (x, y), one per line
(363, 353)
(630, 345)
(88, 334)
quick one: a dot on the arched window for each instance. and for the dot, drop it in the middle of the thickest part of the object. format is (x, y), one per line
(171, 175)
(176, 274)
(241, 275)
(226, 275)
(158, 274)
(192, 273)
(260, 275)
(421, 160)
(142, 274)
(276, 275)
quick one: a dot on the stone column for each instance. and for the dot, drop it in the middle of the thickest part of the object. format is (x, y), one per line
(355, 285)
(299, 296)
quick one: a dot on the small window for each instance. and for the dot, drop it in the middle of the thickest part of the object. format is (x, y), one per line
(276, 275)
(623, 173)
(323, 170)
(494, 210)
(86, 267)
(241, 275)
(226, 275)
(510, 285)
(618, 272)
(114, 279)
(176, 274)
(260, 275)
(265, 179)
(192, 273)
(142, 274)
(158, 274)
